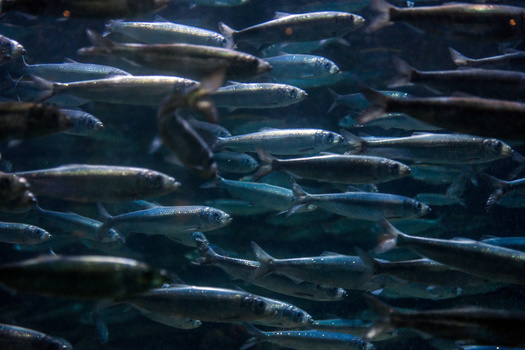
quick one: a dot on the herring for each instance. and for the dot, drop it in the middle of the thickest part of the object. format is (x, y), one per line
(16, 233)
(15, 337)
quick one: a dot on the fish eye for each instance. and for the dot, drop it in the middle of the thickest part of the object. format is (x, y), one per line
(297, 316)
(260, 305)
(329, 138)
(417, 207)
(497, 146)
(327, 66)
(393, 167)
(216, 216)
(223, 41)
(293, 93)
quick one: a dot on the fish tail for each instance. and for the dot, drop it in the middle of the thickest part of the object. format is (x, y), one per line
(47, 88)
(108, 27)
(228, 33)
(264, 260)
(249, 343)
(102, 327)
(216, 143)
(372, 266)
(208, 255)
(378, 104)
(268, 164)
(335, 96)
(406, 73)
(459, 59)
(499, 189)
(256, 333)
(383, 18)
(384, 312)
(299, 199)
(388, 239)
(212, 183)
(101, 45)
(106, 222)
(356, 144)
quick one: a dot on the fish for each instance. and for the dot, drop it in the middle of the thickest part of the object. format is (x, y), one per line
(500, 264)
(10, 50)
(236, 207)
(181, 323)
(87, 10)
(71, 71)
(233, 162)
(179, 59)
(355, 327)
(360, 205)
(147, 90)
(24, 120)
(301, 67)
(281, 141)
(346, 169)
(455, 20)
(98, 183)
(214, 3)
(15, 337)
(502, 84)
(470, 115)
(511, 59)
(357, 101)
(81, 276)
(257, 95)
(16, 233)
(164, 32)
(474, 324)
(172, 222)
(212, 304)
(83, 122)
(306, 339)
(328, 269)
(295, 27)
(242, 269)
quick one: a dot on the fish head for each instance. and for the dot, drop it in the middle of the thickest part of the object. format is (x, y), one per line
(16, 49)
(212, 217)
(36, 233)
(393, 169)
(249, 163)
(262, 67)
(329, 139)
(300, 317)
(159, 182)
(113, 236)
(417, 208)
(58, 343)
(326, 67)
(335, 293)
(348, 22)
(292, 93)
(496, 148)
(258, 305)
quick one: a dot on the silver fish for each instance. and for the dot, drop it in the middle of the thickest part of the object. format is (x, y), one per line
(14, 337)
(22, 234)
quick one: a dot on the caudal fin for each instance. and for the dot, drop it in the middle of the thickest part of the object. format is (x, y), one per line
(335, 96)
(383, 17)
(208, 255)
(106, 222)
(266, 166)
(299, 198)
(388, 239)
(228, 33)
(378, 105)
(47, 88)
(405, 73)
(384, 322)
(499, 189)
(459, 59)
(355, 144)
(264, 260)
(101, 45)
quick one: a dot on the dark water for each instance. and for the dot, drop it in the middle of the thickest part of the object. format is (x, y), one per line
(126, 139)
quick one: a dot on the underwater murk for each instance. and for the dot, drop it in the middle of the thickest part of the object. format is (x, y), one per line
(236, 174)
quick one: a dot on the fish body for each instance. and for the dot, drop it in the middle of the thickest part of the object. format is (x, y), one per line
(308, 339)
(165, 33)
(19, 338)
(355, 327)
(98, 183)
(469, 115)
(474, 324)
(132, 90)
(514, 60)
(21, 120)
(457, 20)
(172, 222)
(257, 95)
(360, 205)
(16, 233)
(346, 169)
(243, 269)
(85, 9)
(296, 27)
(500, 264)
(501, 188)
(281, 141)
(71, 71)
(233, 162)
(81, 276)
(180, 59)
(491, 83)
